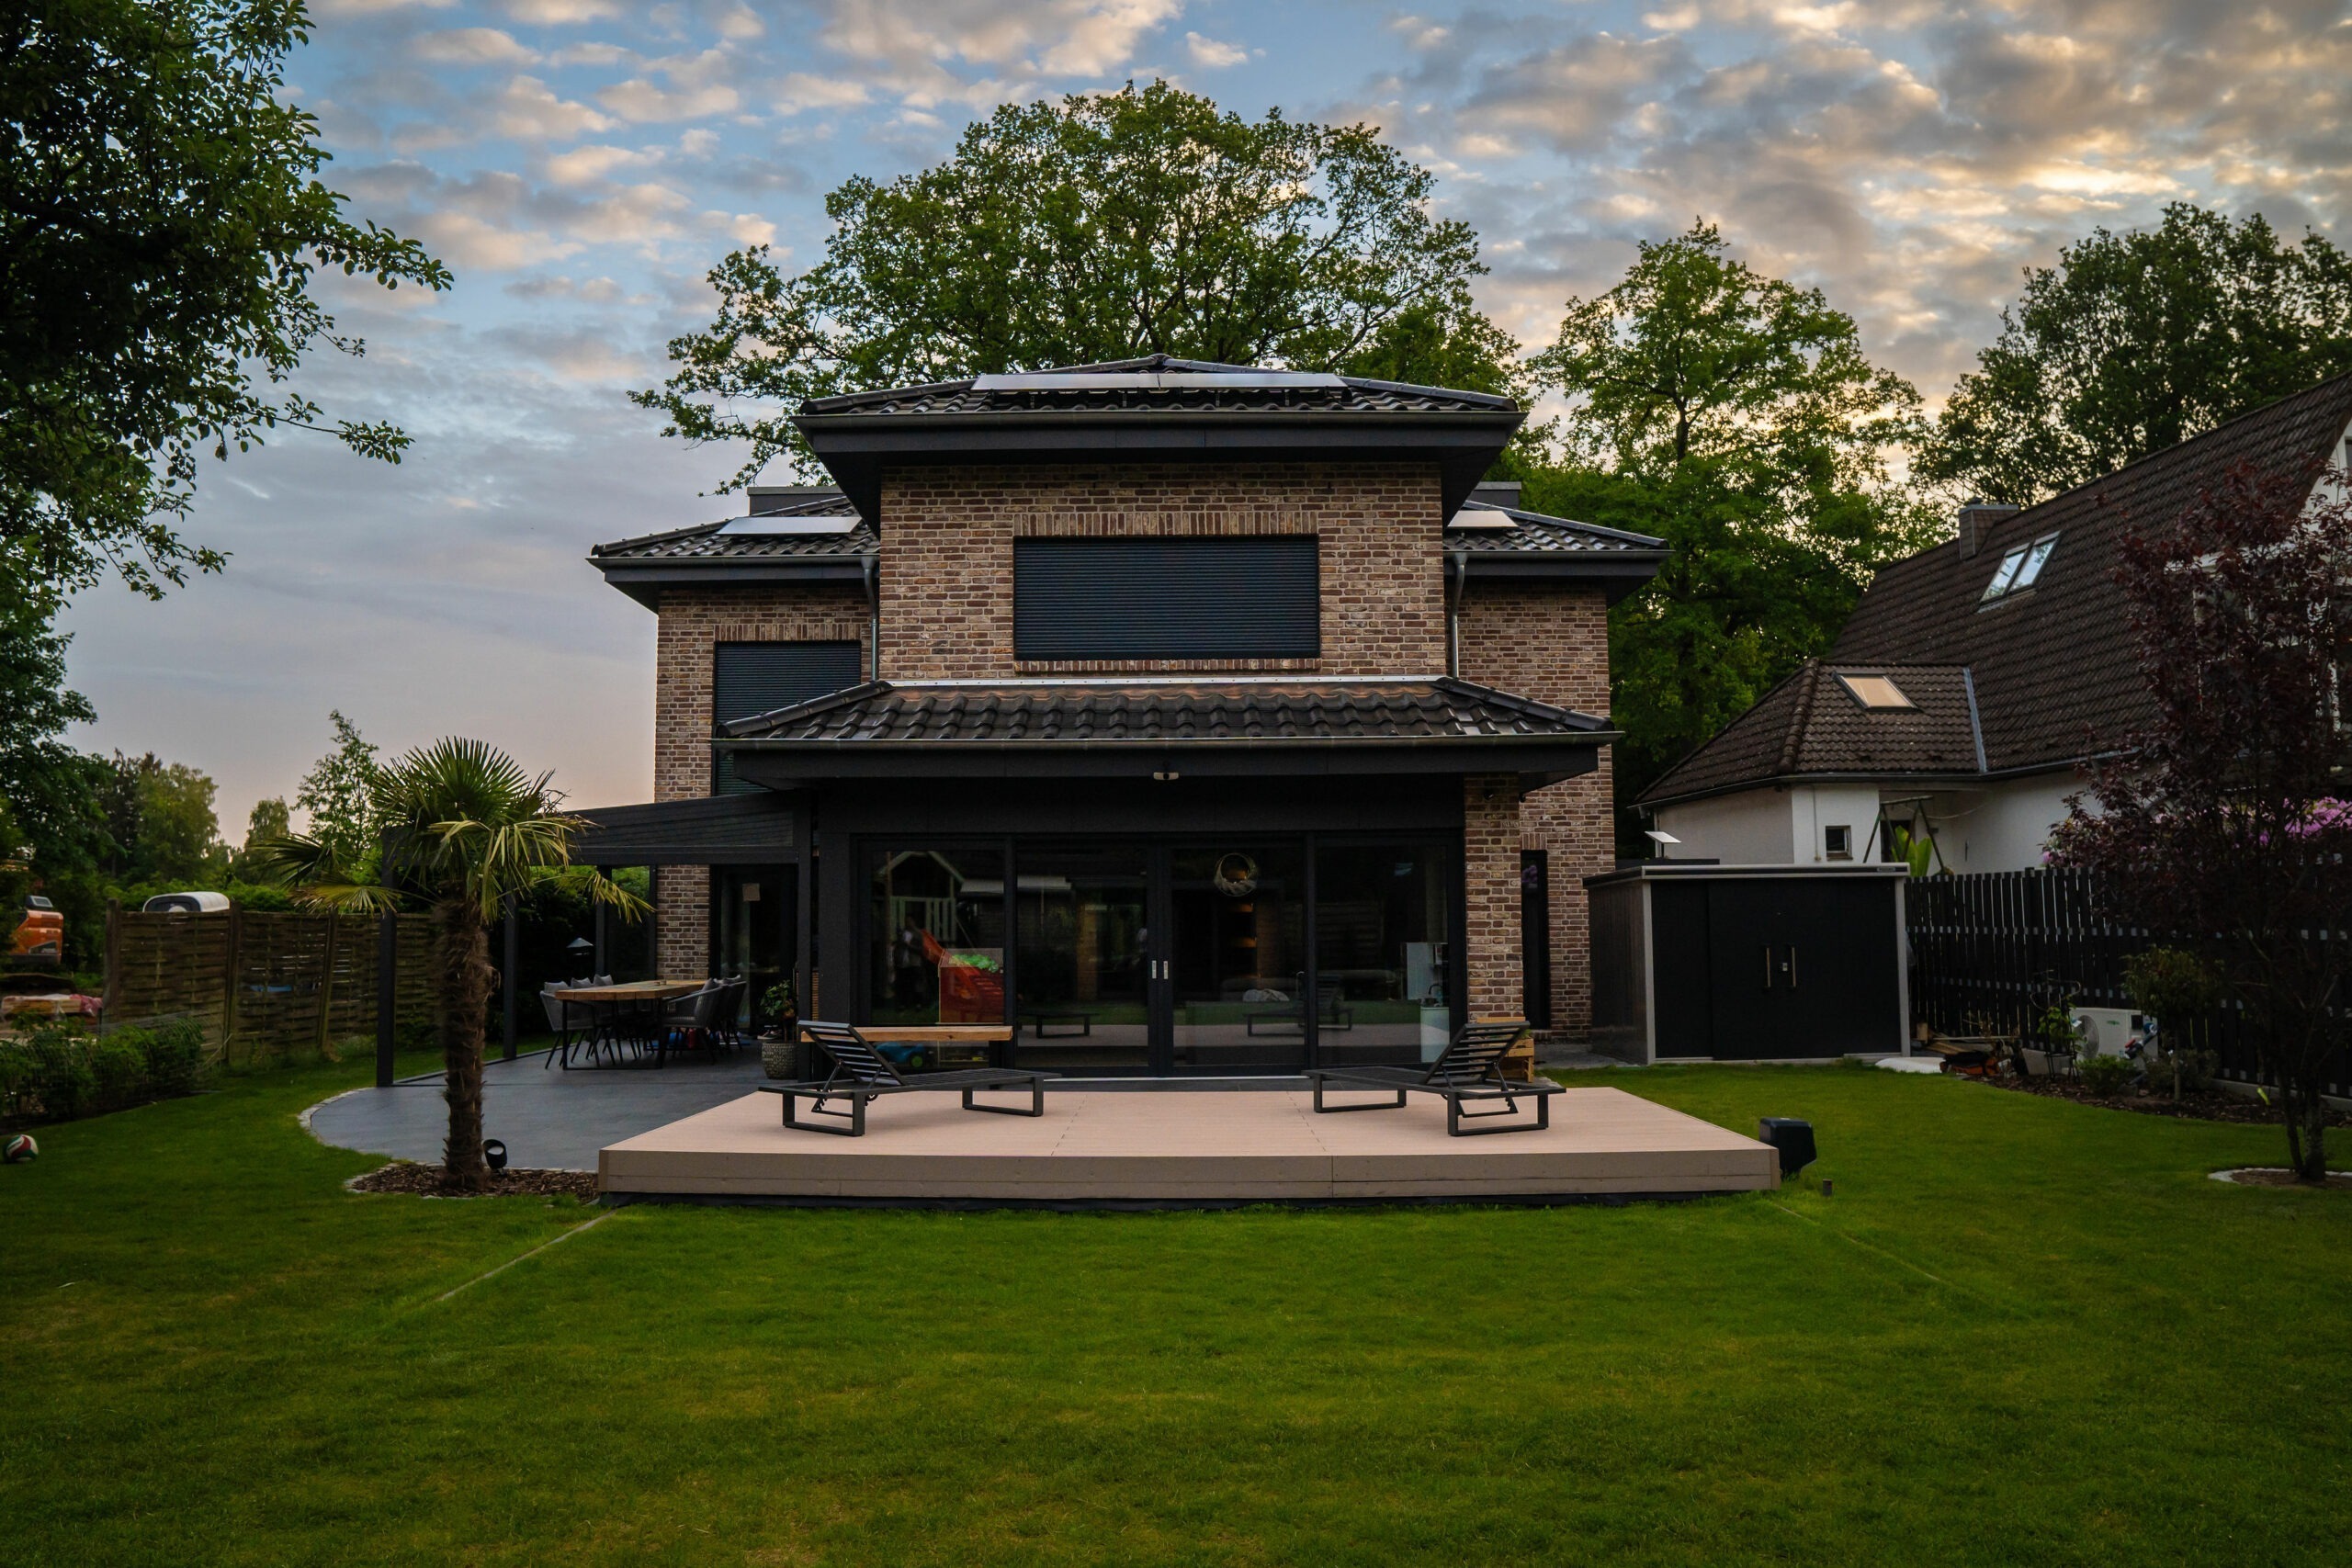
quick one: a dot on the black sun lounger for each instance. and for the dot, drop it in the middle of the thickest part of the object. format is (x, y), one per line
(1470, 1069)
(862, 1075)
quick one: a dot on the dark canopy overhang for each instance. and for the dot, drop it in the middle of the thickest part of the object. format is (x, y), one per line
(1169, 729)
(761, 828)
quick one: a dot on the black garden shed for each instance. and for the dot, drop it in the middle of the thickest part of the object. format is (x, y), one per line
(1748, 962)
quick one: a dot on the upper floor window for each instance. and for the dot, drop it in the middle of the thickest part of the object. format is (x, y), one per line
(1255, 597)
(2019, 568)
(748, 679)
(1875, 691)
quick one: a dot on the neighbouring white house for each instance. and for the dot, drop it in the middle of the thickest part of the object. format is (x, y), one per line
(1974, 680)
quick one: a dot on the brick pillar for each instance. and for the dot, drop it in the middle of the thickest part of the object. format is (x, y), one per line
(1573, 822)
(682, 935)
(1490, 893)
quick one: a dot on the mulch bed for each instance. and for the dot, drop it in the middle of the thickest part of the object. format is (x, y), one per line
(433, 1181)
(2213, 1105)
(2337, 1180)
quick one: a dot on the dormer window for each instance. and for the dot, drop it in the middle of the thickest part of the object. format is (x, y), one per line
(1874, 692)
(2019, 569)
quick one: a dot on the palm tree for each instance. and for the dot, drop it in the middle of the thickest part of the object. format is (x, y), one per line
(463, 829)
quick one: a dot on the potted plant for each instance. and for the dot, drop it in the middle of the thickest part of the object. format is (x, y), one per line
(779, 1049)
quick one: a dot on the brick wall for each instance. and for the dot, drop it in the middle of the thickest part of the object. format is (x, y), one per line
(1490, 831)
(693, 621)
(947, 554)
(1552, 643)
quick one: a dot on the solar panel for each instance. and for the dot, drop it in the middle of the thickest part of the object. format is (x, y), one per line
(1123, 380)
(784, 526)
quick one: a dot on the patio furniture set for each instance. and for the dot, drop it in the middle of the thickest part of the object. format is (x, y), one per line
(1469, 1072)
(642, 1018)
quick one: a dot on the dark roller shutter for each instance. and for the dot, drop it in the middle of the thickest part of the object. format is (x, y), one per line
(748, 679)
(1183, 598)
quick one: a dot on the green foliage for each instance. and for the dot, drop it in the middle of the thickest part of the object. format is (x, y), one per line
(2105, 1075)
(160, 819)
(160, 230)
(1734, 416)
(58, 1071)
(338, 794)
(1101, 227)
(2135, 342)
(2172, 983)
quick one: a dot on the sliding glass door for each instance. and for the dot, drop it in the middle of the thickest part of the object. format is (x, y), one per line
(1084, 976)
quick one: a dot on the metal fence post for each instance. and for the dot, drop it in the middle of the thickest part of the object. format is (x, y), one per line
(388, 962)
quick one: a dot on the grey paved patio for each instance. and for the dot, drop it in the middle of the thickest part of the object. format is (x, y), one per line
(553, 1120)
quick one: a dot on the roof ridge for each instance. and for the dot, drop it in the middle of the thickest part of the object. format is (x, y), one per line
(1800, 715)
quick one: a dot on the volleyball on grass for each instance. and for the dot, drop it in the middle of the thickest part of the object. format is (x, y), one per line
(21, 1148)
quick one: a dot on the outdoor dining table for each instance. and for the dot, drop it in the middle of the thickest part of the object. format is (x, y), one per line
(613, 1009)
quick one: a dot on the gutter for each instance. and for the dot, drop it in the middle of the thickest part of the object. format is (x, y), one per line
(1975, 725)
(1457, 578)
(874, 626)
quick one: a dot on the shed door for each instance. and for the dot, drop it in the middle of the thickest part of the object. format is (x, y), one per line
(1802, 967)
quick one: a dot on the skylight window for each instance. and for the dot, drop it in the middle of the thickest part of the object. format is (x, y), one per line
(1875, 692)
(2019, 569)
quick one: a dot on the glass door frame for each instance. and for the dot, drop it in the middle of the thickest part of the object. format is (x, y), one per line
(1160, 914)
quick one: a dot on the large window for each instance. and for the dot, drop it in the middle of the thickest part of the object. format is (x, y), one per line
(1380, 950)
(748, 679)
(1125, 599)
(935, 934)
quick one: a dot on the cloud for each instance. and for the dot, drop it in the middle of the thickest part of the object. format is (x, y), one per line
(1208, 53)
(1054, 38)
(586, 165)
(528, 110)
(640, 100)
(474, 245)
(559, 13)
(473, 46)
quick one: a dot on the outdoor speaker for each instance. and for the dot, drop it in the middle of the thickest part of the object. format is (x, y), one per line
(1792, 1138)
(494, 1153)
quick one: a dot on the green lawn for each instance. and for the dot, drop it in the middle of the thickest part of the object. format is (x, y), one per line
(2023, 1331)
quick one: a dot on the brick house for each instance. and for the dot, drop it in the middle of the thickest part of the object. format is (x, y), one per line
(1184, 716)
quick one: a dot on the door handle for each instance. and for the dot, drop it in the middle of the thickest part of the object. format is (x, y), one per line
(1768, 967)
(1793, 967)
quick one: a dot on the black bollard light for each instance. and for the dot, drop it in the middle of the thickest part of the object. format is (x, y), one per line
(581, 954)
(1792, 1138)
(493, 1154)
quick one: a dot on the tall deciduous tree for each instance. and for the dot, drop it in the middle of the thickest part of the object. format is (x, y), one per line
(161, 231)
(2225, 818)
(1101, 227)
(1737, 416)
(465, 831)
(51, 791)
(2135, 342)
(338, 794)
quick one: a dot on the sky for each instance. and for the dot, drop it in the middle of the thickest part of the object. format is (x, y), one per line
(580, 164)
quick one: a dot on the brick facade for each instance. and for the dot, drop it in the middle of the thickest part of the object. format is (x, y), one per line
(947, 555)
(946, 588)
(693, 621)
(1551, 642)
(1491, 832)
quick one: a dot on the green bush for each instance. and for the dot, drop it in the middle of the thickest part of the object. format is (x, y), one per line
(2105, 1075)
(175, 1055)
(60, 1071)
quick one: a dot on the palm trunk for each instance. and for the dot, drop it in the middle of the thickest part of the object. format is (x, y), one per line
(468, 977)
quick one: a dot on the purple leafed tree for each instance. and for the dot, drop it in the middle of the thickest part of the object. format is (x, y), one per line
(2224, 819)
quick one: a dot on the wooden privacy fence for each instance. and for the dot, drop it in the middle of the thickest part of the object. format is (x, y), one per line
(266, 984)
(1991, 949)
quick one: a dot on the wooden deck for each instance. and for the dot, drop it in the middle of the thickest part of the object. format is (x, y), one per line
(1186, 1146)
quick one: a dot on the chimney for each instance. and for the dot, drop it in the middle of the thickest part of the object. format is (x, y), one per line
(1975, 517)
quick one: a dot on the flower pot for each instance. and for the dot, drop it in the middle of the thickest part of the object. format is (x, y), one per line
(780, 1059)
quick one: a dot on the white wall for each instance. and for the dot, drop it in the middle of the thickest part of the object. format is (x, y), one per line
(2000, 827)
(1752, 828)
(2003, 827)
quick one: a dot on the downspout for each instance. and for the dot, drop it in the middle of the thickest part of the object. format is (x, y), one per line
(1457, 578)
(874, 617)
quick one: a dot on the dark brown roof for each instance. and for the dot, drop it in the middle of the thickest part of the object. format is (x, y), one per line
(2057, 678)
(1159, 383)
(712, 541)
(1533, 532)
(1812, 726)
(1163, 712)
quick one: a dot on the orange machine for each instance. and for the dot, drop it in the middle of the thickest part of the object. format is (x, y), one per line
(40, 937)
